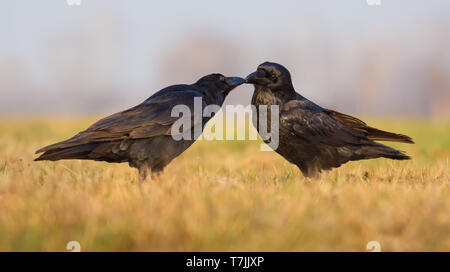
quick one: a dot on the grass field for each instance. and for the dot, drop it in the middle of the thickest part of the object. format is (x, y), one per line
(223, 196)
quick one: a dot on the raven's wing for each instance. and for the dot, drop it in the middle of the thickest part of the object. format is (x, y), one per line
(370, 132)
(331, 127)
(149, 119)
(318, 126)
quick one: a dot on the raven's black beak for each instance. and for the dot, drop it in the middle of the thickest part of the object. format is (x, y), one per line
(251, 78)
(235, 81)
(257, 78)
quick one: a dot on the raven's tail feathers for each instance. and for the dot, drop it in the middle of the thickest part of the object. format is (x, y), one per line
(379, 150)
(74, 152)
(381, 135)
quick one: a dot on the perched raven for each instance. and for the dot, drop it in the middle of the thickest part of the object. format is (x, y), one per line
(142, 135)
(312, 137)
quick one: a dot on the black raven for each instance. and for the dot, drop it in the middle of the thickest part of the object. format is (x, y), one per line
(142, 135)
(312, 137)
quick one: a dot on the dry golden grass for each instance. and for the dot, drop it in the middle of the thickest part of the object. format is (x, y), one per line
(223, 196)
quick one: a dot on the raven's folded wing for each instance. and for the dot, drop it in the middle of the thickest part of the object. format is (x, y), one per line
(370, 132)
(316, 125)
(332, 127)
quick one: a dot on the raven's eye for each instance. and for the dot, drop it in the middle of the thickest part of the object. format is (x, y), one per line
(222, 78)
(260, 73)
(273, 77)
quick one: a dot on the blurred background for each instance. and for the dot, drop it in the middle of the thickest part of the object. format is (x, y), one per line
(103, 56)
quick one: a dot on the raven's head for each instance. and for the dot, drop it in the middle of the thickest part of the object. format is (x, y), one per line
(219, 82)
(271, 75)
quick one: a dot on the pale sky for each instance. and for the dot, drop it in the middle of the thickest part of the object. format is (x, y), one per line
(138, 34)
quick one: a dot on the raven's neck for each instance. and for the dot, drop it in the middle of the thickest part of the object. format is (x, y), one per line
(213, 95)
(265, 96)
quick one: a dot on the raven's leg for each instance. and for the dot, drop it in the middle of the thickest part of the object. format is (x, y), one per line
(157, 170)
(309, 171)
(148, 168)
(313, 173)
(156, 174)
(142, 167)
(143, 172)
